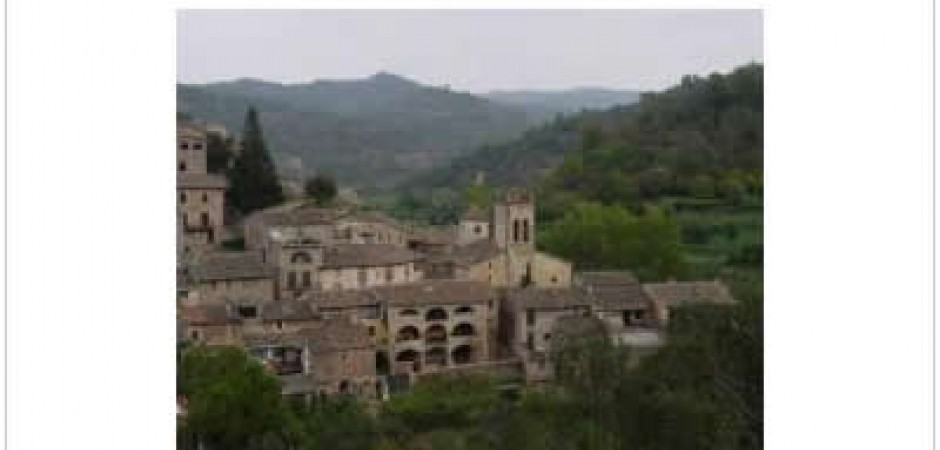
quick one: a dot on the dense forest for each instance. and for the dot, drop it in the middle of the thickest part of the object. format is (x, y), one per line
(370, 133)
(668, 187)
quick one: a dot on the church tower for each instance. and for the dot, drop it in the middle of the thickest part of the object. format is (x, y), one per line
(514, 233)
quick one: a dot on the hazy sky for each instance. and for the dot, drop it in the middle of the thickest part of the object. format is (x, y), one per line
(469, 50)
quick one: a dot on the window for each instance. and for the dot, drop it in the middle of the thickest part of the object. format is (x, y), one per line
(205, 198)
(530, 342)
(204, 218)
(554, 279)
(182, 166)
(194, 334)
(184, 145)
(279, 324)
(305, 279)
(478, 229)
(182, 197)
(515, 231)
(408, 312)
(525, 230)
(197, 146)
(291, 280)
(530, 317)
(464, 310)
(248, 312)
(371, 331)
(300, 257)
(389, 274)
(547, 337)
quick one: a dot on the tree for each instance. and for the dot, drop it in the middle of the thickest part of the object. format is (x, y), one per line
(218, 153)
(321, 188)
(253, 182)
(232, 400)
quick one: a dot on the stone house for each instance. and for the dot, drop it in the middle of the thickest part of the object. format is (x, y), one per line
(200, 195)
(332, 356)
(674, 294)
(228, 278)
(436, 324)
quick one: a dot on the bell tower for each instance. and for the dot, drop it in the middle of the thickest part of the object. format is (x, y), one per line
(514, 233)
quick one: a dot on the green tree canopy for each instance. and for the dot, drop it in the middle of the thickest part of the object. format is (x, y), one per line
(231, 399)
(321, 189)
(253, 182)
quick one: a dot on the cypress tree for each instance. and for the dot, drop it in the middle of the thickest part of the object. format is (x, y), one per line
(252, 179)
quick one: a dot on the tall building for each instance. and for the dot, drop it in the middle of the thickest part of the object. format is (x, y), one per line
(200, 195)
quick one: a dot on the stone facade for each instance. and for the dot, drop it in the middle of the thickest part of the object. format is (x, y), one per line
(200, 195)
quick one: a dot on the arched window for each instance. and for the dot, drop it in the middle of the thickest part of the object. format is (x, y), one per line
(436, 314)
(407, 333)
(300, 257)
(435, 334)
(463, 354)
(464, 329)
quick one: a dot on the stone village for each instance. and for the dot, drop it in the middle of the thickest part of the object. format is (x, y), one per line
(342, 301)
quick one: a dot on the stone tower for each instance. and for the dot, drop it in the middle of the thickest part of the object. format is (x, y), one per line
(190, 149)
(514, 233)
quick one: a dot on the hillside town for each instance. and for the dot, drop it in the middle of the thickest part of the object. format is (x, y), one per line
(336, 300)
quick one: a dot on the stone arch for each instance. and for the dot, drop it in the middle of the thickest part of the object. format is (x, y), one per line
(408, 333)
(436, 356)
(463, 354)
(300, 257)
(463, 329)
(436, 314)
(436, 333)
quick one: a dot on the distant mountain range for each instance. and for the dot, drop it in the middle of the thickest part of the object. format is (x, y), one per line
(378, 131)
(565, 101)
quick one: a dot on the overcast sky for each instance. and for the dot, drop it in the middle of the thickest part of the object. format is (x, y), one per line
(469, 50)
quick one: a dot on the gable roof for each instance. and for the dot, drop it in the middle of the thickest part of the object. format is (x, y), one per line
(219, 265)
(613, 290)
(366, 255)
(688, 292)
(547, 298)
(434, 292)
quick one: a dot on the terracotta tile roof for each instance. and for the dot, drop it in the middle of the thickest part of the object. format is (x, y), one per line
(217, 266)
(348, 298)
(302, 215)
(208, 315)
(191, 180)
(547, 298)
(474, 253)
(606, 277)
(325, 335)
(686, 292)
(190, 130)
(434, 292)
(288, 311)
(366, 255)
(613, 290)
